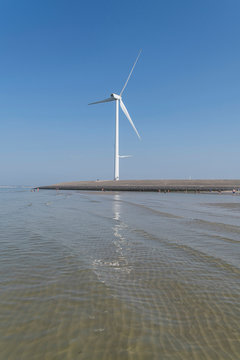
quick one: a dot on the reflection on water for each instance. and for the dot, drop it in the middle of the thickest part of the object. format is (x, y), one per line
(116, 206)
(119, 276)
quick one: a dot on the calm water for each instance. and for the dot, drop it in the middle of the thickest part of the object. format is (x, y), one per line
(119, 275)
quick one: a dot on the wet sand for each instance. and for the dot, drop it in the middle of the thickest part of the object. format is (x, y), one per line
(149, 185)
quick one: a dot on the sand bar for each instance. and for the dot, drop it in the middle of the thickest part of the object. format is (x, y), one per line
(148, 185)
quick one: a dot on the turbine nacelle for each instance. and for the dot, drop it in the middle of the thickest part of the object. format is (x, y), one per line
(116, 97)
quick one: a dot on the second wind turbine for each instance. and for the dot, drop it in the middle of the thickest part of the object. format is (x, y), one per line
(118, 99)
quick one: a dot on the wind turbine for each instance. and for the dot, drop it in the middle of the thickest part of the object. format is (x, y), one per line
(118, 99)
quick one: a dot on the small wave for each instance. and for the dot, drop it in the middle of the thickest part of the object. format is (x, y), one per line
(228, 206)
(99, 330)
(154, 211)
(217, 226)
(215, 260)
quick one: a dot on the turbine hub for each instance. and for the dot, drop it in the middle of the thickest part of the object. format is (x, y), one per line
(116, 97)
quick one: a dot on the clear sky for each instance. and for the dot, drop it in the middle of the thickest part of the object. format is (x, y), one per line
(59, 55)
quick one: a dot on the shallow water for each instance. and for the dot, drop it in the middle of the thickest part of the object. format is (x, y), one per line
(119, 275)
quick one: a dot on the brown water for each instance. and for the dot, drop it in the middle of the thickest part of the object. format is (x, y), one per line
(119, 275)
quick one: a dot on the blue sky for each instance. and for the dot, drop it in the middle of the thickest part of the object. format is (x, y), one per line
(183, 96)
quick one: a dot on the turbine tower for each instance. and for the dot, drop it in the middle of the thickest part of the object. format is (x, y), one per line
(118, 100)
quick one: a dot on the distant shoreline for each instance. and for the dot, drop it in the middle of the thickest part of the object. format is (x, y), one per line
(149, 185)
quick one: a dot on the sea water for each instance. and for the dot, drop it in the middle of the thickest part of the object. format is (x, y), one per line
(105, 275)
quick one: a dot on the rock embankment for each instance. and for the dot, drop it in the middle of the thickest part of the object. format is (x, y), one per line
(149, 185)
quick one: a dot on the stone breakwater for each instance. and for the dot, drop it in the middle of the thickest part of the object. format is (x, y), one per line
(149, 185)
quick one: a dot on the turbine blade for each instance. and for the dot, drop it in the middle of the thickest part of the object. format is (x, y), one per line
(102, 101)
(130, 72)
(124, 109)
